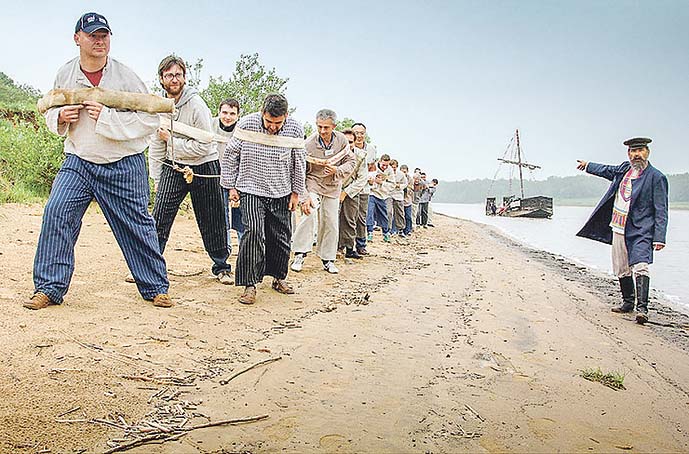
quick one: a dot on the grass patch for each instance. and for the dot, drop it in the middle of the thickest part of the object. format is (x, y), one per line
(614, 380)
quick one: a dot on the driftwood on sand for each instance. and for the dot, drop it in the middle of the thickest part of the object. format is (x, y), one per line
(111, 98)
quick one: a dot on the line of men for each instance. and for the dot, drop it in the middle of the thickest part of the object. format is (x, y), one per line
(265, 171)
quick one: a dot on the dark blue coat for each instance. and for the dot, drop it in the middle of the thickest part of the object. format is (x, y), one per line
(647, 219)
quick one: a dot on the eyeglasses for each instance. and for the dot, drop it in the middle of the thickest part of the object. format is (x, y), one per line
(170, 76)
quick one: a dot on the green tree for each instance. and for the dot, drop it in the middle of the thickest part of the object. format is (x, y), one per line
(345, 123)
(194, 73)
(308, 129)
(249, 84)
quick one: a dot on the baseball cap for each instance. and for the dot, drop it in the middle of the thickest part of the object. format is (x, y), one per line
(90, 22)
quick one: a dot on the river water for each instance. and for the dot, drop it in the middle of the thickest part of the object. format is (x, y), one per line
(557, 235)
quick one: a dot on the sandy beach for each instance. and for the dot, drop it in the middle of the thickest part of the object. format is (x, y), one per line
(457, 340)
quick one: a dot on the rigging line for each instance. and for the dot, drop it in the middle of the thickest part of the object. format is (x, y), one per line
(182, 169)
(495, 176)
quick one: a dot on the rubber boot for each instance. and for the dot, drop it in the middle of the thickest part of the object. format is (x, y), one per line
(642, 287)
(627, 288)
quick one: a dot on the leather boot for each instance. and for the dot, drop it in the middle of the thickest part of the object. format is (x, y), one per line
(627, 288)
(642, 287)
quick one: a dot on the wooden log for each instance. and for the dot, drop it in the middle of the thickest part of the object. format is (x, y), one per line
(111, 98)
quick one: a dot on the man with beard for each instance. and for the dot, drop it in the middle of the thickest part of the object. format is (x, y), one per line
(264, 167)
(104, 160)
(359, 130)
(632, 216)
(201, 158)
(223, 125)
(330, 161)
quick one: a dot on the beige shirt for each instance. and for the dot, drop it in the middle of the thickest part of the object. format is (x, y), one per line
(316, 179)
(383, 190)
(116, 134)
(397, 193)
(359, 180)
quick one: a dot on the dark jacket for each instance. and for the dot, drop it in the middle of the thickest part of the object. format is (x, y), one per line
(647, 219)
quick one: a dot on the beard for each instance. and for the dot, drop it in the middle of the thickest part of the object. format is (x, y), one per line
(173, 90)
(639, 164)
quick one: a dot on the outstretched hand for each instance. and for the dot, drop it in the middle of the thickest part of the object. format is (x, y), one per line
(581, 165)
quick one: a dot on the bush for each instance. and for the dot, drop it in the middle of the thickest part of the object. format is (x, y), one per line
(30, 157)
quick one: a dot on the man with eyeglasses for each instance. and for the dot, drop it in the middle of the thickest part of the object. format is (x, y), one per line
(264, 167)
(166, 150)
(349, 199)
(370, 150)
(104, 161)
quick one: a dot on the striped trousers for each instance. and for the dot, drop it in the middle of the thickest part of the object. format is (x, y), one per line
(122, 192)
(265, 246)
(207, 200)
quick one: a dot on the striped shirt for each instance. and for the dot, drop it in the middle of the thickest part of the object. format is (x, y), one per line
(264, 170)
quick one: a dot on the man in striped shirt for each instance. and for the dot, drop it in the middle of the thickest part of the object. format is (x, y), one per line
(264, 167)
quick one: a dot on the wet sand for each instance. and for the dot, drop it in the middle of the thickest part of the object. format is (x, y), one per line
(458, 340)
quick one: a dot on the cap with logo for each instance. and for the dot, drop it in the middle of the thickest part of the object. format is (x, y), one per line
(90, 22)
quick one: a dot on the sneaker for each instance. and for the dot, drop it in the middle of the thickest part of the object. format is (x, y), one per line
(38, 301)
(362, 251)
(225, 277)
(352, 254)
(162, 300)
(369, 237)
(330, 267)
(298, 262)
(386, 237)
(249, 295)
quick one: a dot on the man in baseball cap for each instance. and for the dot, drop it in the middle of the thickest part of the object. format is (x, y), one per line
(104, 160)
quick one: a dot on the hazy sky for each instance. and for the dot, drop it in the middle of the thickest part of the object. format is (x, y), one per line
(441, 85)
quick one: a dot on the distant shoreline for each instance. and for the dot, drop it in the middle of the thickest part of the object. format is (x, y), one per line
(576, 203)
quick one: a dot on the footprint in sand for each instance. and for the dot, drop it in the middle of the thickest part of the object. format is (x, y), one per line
(333, 442)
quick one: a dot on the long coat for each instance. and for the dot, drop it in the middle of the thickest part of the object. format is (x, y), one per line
(647, 218)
